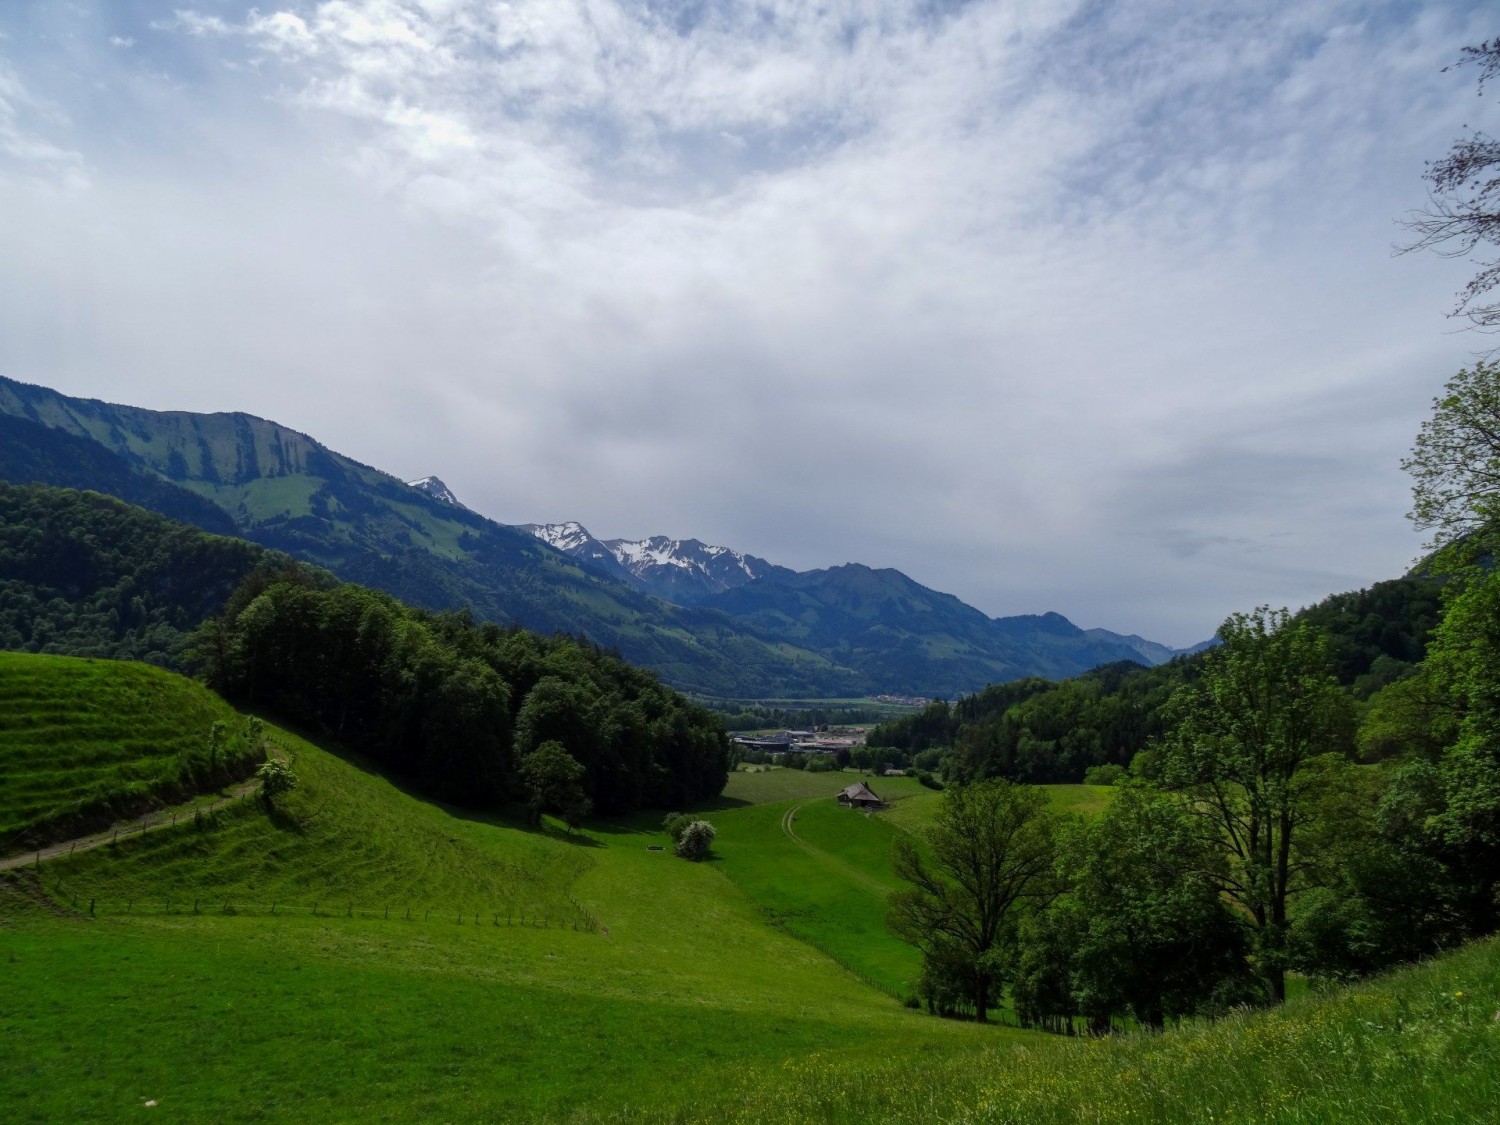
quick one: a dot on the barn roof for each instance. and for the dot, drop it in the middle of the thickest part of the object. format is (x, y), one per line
(859, 790)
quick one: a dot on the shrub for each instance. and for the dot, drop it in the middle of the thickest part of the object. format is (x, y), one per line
(697, 837)
(1103, 775)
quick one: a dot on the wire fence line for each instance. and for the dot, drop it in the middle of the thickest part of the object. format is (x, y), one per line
(578, 920)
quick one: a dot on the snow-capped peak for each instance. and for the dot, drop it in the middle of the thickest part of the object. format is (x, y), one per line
(566, 536)
(436, 489)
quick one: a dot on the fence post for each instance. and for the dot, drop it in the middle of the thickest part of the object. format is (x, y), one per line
(91, 908)
(72, 847)
(38, 861)
(195, 906)
(387, 912)
(273, 908)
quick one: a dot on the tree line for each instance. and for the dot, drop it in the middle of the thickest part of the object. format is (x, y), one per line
(473, 712)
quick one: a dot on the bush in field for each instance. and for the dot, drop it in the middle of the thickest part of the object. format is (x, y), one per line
(1103, 775)
(697, 837)
(276, 778)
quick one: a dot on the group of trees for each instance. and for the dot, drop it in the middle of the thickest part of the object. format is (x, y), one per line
(474, 712)
(1252, 838)
(1044, 732)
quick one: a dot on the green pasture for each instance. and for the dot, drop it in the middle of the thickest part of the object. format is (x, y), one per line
(1419, 1045)
(763, 784)
(75, 732)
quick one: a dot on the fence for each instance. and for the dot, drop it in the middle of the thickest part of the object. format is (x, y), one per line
(578, 919)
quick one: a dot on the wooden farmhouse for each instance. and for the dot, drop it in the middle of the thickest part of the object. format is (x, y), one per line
(860, 796)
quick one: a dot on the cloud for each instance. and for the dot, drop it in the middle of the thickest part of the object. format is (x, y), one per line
(1052, 305)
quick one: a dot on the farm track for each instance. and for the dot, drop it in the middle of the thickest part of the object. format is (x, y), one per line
(151, 822)
(828, 859)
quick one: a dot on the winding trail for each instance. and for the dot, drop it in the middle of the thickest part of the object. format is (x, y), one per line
(828, 859)
(151, 822)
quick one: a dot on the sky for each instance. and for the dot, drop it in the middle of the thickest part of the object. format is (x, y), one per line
(1078, 306)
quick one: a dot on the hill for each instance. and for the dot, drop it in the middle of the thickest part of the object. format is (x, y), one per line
(89, 742)
(87, 575)
(899, 631)
(361, 952)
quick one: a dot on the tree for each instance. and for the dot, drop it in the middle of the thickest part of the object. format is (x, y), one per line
(276, 778)
(553, 783)
(1246, 732)
(992, 850)
(1155, 939)
(1455, 463)
(1463, 211)
(696, 839)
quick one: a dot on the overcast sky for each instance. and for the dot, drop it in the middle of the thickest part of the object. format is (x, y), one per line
(1088, 307)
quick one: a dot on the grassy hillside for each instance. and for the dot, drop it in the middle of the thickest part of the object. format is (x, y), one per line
(82, 740)
(446, 1008)
(1422, 1044)
(823, 872)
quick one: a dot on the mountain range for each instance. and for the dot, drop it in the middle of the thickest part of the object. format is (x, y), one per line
(707, 619)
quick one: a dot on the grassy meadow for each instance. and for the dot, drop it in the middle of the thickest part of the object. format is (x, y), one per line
(424, 963)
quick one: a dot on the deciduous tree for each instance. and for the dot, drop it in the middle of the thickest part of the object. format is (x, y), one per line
(990, 852)
(1245, 733)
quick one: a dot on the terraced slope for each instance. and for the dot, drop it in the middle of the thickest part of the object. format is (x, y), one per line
(84, 740)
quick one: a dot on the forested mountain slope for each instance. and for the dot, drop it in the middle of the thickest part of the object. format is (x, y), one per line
(83, 574)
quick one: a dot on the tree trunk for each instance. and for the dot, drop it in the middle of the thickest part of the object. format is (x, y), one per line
(1276, 984)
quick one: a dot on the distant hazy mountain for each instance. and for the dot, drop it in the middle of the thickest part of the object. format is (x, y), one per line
(1151, 652)
(879, 621)
(683, 571)
(897, 630)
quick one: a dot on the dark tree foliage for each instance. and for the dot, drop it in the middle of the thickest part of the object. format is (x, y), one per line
(1040, 732)
(989, 858)
(87, 575)
(457, 706)
(1378, 635)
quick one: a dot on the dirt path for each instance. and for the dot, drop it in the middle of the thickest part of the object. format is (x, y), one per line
(151, 822)
(828, 859)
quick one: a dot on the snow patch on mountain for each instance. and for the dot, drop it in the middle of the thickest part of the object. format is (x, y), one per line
(567, 536)
(439, 491)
